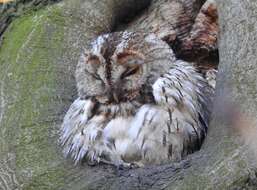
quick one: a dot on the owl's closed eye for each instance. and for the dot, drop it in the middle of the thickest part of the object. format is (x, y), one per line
(137, 103)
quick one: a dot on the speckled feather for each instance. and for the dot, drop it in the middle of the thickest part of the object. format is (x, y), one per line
(137, 104)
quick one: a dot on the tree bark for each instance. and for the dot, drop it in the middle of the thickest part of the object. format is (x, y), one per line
(37, 62)
(15, 8)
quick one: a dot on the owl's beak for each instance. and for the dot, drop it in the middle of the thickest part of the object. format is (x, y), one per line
(112, 95)
(115, 97)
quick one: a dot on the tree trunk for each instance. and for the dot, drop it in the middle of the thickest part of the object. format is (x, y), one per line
(37, 62)
(15, 8)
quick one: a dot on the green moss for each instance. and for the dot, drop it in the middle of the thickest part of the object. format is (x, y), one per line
(29, 54)
(46, 180)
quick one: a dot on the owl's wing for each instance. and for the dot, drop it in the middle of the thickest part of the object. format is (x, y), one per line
(177, 124)
(184, 89)
(81, 130)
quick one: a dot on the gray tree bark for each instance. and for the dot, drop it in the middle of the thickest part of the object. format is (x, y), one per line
(37, 61)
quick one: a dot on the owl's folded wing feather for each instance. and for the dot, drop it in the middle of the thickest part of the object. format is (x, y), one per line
(80, 130)
(184, 89)
(178, 123)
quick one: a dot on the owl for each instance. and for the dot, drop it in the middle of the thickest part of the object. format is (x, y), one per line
(137, 104)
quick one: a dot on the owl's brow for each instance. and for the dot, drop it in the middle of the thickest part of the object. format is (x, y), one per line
(107, 52)
(94, 75)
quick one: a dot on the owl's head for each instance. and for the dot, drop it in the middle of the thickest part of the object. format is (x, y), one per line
(122, 67)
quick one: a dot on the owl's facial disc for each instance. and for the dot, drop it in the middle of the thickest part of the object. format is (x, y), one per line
(120, 76)
(122, 67)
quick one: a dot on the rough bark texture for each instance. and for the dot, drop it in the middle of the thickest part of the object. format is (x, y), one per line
(37, 60)
(13, 9)
(201, 43)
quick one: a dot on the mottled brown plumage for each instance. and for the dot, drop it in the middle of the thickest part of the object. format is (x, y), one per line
(137, 103)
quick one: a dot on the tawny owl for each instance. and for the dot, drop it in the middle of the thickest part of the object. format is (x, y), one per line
(137, 104)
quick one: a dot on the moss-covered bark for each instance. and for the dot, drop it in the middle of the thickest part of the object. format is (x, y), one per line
(37, 61)
(15, 8)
